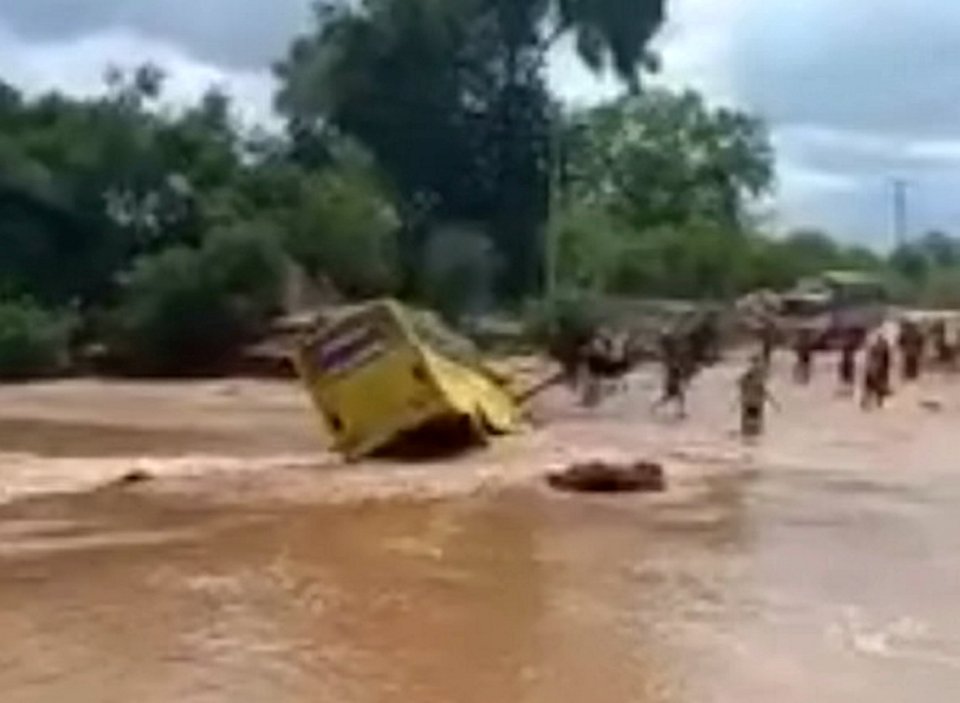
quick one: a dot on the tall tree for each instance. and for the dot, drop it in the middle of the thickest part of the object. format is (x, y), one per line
(663, 159)
(89, 185)
(451, 98)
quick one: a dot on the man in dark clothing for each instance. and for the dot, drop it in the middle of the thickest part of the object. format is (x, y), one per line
(876, 377)
(676, 373)
(768, 341)
(754, 398)
(804, 348)
(911, 343)
(704, 340)
(848, 362)
(944, 348)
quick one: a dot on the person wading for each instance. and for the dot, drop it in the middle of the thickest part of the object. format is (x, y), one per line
(911, 343)
(676, 374)
(876, 377)
(754, 397)
(944, 345)
(847, 368)
(768, 341)
(804, 348)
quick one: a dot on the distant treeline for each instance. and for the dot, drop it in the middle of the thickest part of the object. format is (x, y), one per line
(422, 155)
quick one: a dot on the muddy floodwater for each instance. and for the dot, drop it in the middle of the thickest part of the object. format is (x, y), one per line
(821, 564)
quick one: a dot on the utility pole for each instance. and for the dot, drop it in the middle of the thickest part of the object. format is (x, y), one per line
(900, 211)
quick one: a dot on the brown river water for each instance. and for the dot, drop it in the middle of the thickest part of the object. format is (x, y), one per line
(822, 564)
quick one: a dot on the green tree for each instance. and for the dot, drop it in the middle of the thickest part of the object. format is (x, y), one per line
(33, 341)
(450, 96)
(663, 159)
(911, 263)
(343, 227)
(589, 247)
(186, 310)
(940, 249)
(692, 261)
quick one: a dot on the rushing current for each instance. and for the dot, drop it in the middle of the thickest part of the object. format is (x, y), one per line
(820, 565)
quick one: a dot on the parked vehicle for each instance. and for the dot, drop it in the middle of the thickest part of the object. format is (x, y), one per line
(834, 306)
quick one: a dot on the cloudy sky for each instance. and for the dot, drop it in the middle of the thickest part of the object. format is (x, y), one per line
(857, 92)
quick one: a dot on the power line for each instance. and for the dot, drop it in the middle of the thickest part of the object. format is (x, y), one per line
(900, 211)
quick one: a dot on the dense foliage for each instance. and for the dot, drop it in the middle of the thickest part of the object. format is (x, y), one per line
(451, 98)
(422, 155)
(33, 341)
(184, 310)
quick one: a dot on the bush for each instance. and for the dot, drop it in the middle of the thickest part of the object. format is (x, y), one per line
(942, 289)
(344, 229)
(456, 277)
(33, 341)
(563, 321)
(246, 264)
(186, 310)
(589, 246)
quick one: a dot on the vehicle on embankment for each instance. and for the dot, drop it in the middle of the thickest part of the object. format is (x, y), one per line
(832, 306)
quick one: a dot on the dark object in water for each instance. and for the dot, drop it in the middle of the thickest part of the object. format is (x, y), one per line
(603, 477)
(133, 478)
(933, 406)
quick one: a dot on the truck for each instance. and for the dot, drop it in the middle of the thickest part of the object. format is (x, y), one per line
(834, 305)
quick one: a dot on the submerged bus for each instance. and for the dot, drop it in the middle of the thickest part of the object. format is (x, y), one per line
(380, 371)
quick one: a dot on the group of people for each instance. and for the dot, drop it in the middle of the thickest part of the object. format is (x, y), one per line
(683, 353)
(878, 361)
(605, 358)
(913, 344)
(603, 361)
(598, 363)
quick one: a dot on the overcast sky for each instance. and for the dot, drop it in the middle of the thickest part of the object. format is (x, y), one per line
(857, 92)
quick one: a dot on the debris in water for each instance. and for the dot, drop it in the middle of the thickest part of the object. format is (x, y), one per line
(604, 477)
(133, 478)
(933, 406)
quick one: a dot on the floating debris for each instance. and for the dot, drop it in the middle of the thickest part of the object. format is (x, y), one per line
(133, 478)
(605, 477)
(933, 406)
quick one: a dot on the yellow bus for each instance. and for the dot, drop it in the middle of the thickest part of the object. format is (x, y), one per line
(379, 372)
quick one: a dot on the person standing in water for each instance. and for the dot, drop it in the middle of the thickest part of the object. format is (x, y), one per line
(911, 343)
(876, 377)
(847, 368)
(754, 397)
(768, 342)
(944, 345)
(804, 348)
(676, 374)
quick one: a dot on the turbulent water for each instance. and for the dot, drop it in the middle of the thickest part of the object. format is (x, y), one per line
(819, 565)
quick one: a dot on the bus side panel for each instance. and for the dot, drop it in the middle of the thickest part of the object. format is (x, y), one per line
(369, 406)
(473, 394)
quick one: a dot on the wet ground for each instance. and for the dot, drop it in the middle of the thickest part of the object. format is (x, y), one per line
(821, 564)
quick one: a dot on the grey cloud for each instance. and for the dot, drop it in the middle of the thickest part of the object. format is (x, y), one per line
(857, 92)
(877, 65)
(230, 33)
(858, 154)
(864, 213)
